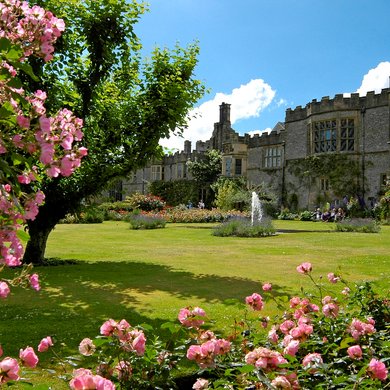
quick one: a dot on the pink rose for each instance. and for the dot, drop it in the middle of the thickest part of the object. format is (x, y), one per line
(312, 361)
(45, 344)
(255, 301)
(28, 357)
(87, 347)
(108, 328)
(333, 278)
(281, 382)
(355, 352)
(201, 384)
(267, 287)
(304, 268)
(9, 369)
(190, 318)
(34, 282)
(330, 310)
(292, 348)
(377, 369)
(4, 290)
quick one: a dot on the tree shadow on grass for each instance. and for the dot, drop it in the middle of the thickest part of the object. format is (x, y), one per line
(77, 298)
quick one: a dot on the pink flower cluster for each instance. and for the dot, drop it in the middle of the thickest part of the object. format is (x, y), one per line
(9, 367)
(34, 29)
(191, 317)
(359, 328)
(204, 354)
(131, 339)
(265, 358)
(84, 379)
(255, 301)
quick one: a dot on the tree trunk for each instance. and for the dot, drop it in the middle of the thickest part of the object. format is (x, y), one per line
(36, 246)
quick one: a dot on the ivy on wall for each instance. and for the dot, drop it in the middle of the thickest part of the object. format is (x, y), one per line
(342, 171)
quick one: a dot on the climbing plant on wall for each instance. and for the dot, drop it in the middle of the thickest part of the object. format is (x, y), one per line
(342, 171)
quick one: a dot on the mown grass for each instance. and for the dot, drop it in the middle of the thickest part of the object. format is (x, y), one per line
(146, 276)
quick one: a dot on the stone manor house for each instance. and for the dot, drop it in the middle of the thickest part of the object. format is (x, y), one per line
(355, 128)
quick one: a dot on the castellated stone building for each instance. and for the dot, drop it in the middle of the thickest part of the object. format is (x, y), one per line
(356, 128)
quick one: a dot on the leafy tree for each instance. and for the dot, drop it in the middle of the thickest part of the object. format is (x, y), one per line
(127, 103)
(205, 171)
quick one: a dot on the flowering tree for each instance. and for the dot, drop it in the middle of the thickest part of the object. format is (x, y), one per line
(126, 104)
(32, 144)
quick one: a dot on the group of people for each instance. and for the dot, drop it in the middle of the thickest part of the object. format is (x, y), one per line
(329, 215)
(200, 205)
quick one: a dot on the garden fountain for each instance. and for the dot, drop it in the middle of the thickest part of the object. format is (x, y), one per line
(257, 210)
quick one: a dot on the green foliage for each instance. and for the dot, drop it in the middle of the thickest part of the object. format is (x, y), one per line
(176, 192)
(127, 104)
(232, 193)
(305, 215)
(142, 221)
(286, 215)
(207, 168)
(145, 202)
(239, 227)
(342, 171)
(360, 225)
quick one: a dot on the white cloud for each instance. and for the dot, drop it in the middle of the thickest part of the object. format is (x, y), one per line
(247, 101)
(376, 79)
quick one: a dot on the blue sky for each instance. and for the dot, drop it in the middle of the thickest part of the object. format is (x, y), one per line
(264, 56)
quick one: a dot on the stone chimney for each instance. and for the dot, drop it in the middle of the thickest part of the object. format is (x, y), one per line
(187, 147)
(224, 113)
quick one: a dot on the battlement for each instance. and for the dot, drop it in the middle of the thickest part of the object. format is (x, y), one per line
(275, 137)
(339, 103)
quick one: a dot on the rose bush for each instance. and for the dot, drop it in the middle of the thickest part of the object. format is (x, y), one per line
(335, 338)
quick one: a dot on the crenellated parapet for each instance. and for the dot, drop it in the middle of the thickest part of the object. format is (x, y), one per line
(339, 103)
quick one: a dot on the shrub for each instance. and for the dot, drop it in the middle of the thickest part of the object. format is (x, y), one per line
(240, 227)
(360, 225)
(287, 215)
(145, 202)
(142, 221)
(306, 215)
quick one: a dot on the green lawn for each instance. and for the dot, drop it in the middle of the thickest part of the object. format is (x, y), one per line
(146, 276)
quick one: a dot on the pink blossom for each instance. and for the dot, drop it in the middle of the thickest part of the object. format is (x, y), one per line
(87, 347)
(265, 358)
(355, 352)
(333, 278)
(255, 301)
(281, 382)
(330, 310)
(292, 348)
(201, 384)
(359, 328)
(304, 268)
(267, 287)
(273, 335)
(294, 302)
(45, 344)
(286, 326)
(346, 291)
(191, 318)
(34, 282)
(312, 361)
(84, 379)
(4, 290)
(9, 370)
(377, 369)
(124, 370)
(107, 329)
(28, 357)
